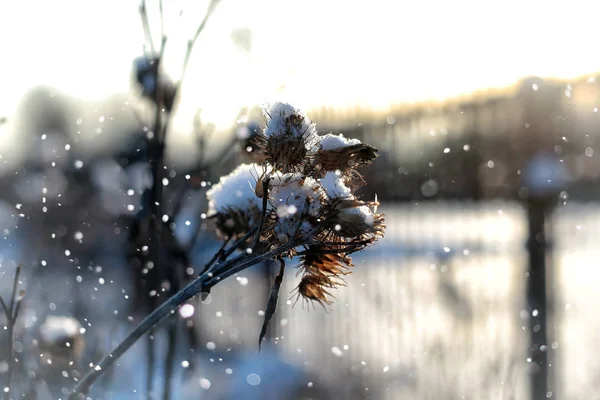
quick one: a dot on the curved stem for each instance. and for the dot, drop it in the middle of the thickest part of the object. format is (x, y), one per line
(191, 290)
(204, 281)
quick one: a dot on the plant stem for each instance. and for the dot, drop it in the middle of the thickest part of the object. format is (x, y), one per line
(147, 324)
(170, 359)
(146, 25)
(150, 364)
(12, 313)
(204, 281)
(192, 41)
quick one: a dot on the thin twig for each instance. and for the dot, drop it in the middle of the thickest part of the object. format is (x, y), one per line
(146, 26)
(162, 24)
(272, 302)
(18, 306)
(156, 145)
(190, 45)
(237, 244)
(170, 358)
(12, 312)
(150, 353)
(5, 307)
(263, 213)
(226, 270)
(194, 241)
(15, 284)
(216, 256)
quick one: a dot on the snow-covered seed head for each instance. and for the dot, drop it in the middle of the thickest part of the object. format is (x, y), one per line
(355, 219)
(288, 138)
(296, 200)
(339, 153)
(233, 203)
(60, 340)
(308, 183)
(349, 217)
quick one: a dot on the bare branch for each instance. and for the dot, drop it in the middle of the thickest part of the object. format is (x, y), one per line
(15, 284)
(146, 25)
(162, 24)
(217, 255)
(12, 312)
(190, 45)
(6, 309)
(18, 305)
(234, 246)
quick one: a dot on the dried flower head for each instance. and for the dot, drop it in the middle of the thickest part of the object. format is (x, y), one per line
(233, 204)
(296, 201)
(348, 218)
(317, 260)
(289, 139)
(316, 288)
(321, 270)
(339, 153)
(309, 198)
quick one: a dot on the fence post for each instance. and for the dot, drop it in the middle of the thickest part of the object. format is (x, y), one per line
(543, 179)
(537, 211)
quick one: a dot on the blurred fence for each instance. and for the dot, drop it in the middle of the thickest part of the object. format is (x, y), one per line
(437, 309)
(432, 312)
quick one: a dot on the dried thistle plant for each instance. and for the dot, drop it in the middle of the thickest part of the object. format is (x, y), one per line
(311, 187)
(298, 199)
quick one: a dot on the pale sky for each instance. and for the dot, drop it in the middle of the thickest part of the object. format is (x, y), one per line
(311, 53)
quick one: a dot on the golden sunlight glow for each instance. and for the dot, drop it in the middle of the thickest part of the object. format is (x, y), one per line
(313, 52)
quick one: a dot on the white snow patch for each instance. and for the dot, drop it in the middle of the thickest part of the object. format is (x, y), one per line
(277, 115)
(57, 329)
(294, 190)
(235, 190)
(332, 142)
(363, 212)
(334, 186)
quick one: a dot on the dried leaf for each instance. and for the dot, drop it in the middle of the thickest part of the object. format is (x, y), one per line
(272, 302)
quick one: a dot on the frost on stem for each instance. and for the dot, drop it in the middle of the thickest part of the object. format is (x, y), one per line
(311, 199)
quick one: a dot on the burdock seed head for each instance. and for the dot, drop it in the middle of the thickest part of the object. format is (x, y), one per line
(289, 139)
(316, 288)
(306, 184)
(347, 217)
(233, 204)
(296, 201)
(339, 153)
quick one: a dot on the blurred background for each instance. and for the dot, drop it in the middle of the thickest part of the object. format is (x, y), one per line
(486, 118)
